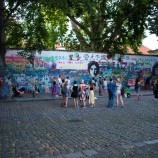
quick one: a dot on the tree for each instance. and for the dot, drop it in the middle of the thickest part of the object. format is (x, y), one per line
(14, 31)
(153, 19)
(38, 26)
(26, 24)
(106, 26)
(10, 11)
(97, 25)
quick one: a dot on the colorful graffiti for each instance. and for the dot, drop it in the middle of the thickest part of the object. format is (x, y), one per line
(50, 64)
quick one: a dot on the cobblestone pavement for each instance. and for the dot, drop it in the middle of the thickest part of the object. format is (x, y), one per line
(44, 96)
(43, 129)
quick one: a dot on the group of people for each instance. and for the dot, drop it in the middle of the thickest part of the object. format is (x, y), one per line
(115, 89)
(79, 93)
(14, 91)
(83, 92)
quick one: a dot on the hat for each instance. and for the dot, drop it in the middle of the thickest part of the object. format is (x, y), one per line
(118, 79)
(82, 81)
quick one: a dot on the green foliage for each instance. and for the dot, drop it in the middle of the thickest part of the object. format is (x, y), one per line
(97, 25)
(56, 24)
(34, 26)
(153, 19)
(104, 25)
(14, 34)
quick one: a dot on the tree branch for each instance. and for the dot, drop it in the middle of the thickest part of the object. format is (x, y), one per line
(79, 35)
(11, 11)
(79, 24)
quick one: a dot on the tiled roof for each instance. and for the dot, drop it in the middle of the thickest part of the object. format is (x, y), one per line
(145, 50)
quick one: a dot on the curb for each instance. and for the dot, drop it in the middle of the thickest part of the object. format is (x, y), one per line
(54, 98)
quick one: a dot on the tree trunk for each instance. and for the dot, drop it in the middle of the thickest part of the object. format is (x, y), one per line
(2, 39)
(3, 89)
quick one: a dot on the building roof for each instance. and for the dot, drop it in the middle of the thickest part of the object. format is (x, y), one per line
(145, 50)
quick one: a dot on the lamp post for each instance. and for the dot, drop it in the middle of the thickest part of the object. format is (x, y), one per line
(32, 62)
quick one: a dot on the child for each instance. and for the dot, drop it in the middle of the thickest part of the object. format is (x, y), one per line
(83, 98)
(128, 91)
(83, 93)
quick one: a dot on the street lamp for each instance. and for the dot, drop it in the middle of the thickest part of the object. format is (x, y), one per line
(32, 62)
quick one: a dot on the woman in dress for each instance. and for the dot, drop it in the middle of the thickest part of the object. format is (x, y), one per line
(55, 90)
(118, 93)
(74, 94)
(91, 94)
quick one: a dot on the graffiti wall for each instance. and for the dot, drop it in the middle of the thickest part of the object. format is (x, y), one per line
(48, 65)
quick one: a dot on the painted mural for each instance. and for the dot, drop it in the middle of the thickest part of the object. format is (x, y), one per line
(48, 65)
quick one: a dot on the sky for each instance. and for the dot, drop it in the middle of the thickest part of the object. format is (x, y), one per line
(151, 41)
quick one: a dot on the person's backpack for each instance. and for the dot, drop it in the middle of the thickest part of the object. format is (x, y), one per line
(64, 90)
(136, 86)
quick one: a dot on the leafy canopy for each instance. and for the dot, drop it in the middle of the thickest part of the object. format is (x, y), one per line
(97, 25)
(105, 25)
(153, 19)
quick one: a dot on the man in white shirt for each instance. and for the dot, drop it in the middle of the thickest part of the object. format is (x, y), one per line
(67, 79)
(59, 81)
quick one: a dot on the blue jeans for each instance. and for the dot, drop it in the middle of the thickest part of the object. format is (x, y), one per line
(111, 100)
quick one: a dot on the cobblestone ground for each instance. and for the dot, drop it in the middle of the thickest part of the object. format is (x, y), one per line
(43, 129)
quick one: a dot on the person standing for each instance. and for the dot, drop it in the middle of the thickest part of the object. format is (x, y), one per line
(111, 91)
(10, 85)
(155, 88)
(59, 82)
(69, 82)
(65, 94)
(55, 90)
(74, 94)
(100, 85)
(82, 95)
(105, 85)
(91, 94)
(118, 93)
(137, 89)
